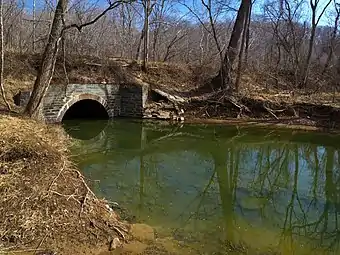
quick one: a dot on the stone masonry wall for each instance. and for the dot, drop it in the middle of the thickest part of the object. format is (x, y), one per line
(133, 100)
(58, 101)
(118, 100)
(22, 97)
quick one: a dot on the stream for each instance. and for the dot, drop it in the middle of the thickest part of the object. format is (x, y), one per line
(214, 189)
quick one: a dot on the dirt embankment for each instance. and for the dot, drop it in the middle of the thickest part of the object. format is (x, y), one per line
(45, 204)
(252, 110)
(263, 96)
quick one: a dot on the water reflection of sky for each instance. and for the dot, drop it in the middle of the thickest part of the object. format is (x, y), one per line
(274, 184)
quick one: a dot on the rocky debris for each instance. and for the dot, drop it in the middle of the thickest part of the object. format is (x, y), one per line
(163, 111)
(164, 106)
(114, 244)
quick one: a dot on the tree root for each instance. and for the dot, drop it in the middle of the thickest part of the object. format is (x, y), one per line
(270, 111)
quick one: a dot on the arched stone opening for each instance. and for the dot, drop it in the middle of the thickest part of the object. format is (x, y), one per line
(86, 109)
(84, 106)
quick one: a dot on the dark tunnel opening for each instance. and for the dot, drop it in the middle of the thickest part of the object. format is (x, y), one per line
(85, 130)
(86, 109)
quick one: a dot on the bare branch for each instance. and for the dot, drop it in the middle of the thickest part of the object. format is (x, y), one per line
(110, 7)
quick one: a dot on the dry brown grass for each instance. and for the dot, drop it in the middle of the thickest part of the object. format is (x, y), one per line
(21, 70)
(44, 200)
(180, 79)
(278, 90)
(175, 77)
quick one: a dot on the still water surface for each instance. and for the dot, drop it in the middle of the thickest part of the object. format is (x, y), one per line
(218, 188)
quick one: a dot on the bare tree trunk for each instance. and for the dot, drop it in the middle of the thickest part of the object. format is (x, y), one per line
(240, 59)
(146, 35)
(201, 47)
(309, 54)
(247, 37)
(2, 56)
(46, 70)
(315, 22)
(208, 6)
(223, 79)
(333, 37)
(130, 31)
(139, 45)
(159, 13)
(33, 32)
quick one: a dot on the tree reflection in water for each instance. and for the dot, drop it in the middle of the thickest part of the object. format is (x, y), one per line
(234, 180)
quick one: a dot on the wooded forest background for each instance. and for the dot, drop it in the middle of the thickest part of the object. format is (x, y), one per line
(296, 39)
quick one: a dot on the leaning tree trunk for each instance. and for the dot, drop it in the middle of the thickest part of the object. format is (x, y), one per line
(46, 70)
(224, 79)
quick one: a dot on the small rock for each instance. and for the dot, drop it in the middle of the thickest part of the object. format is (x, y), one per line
(114, 244)
(108, 208)
(142, 232)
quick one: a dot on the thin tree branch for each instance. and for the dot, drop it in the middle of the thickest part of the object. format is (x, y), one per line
(110, 7)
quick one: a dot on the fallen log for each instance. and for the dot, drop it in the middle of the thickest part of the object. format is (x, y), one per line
(171, 98)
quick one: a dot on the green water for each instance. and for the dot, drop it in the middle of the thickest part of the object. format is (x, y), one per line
(216, 189)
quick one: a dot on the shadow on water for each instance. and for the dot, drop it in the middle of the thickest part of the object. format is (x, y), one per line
(215, 188)
(85, 130)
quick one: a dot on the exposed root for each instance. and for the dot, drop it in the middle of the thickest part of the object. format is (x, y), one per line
(61, 170)
(83, 204)
(221, 105)
(270, 111)
(222, 98)
(80, 176)
(120, 232)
